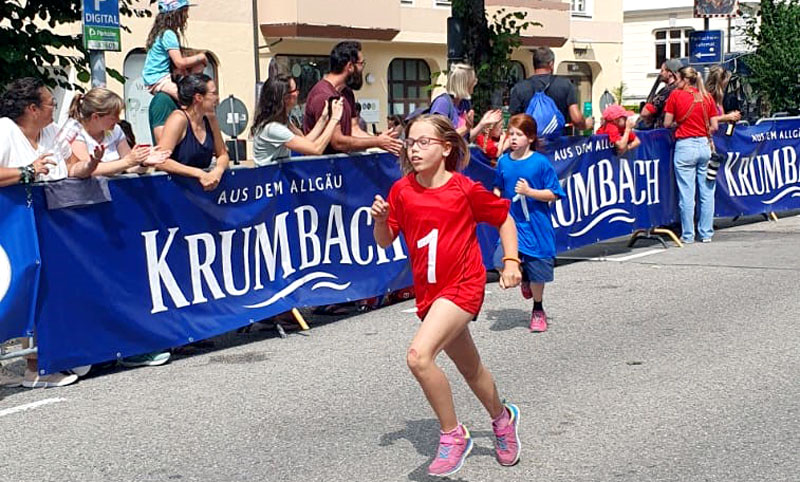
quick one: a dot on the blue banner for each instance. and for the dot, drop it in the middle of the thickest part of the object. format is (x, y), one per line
(19, 264)
(760, 173)
(165, 263)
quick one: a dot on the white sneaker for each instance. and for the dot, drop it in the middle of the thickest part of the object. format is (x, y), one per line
(8, 379)
(81, 371)
(34, 380)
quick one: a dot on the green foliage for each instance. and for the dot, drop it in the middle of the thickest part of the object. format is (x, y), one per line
(619, 92)
(488, 48)
(29, 47)
(773, 66)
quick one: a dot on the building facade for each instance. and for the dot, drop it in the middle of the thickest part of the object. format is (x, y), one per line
(404, 44)
(657, 31)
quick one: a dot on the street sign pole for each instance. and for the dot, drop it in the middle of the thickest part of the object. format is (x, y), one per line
(101, 32)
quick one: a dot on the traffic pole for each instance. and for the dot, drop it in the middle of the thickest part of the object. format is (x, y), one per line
(97, 63)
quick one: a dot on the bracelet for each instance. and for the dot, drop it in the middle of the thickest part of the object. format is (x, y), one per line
(27, 174)
(511, 258)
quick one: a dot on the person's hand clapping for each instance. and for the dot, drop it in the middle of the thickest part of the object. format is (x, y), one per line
(379, 210)
(337, 107)
(41, 165)
(388, 141)
(137, 156)
(156, 156)
(491, 118)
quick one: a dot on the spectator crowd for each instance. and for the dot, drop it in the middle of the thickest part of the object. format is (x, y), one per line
(187, 140)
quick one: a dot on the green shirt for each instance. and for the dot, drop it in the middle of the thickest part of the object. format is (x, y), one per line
(160, 108)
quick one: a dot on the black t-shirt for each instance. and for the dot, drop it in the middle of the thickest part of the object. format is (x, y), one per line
(561, 91)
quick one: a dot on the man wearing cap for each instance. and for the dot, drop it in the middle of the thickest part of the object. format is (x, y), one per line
(618, 125)
(652, 115)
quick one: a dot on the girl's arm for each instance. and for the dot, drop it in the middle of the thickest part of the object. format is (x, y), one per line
(544, 195)
(188, 62)
(511, 275)
(316, 145)
(497, 192)
(634, 144)
(321, 124)
(381, 230)
(211, 179)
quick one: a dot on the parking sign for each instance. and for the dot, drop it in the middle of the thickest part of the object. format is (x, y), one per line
(101, 25)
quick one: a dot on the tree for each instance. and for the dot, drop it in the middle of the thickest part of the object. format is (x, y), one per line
(29, 47)
(488, 48)
(774, 35)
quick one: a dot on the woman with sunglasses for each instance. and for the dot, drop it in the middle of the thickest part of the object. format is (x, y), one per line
(274, 137)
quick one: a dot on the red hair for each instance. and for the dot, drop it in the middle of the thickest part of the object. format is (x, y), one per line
(526, 124)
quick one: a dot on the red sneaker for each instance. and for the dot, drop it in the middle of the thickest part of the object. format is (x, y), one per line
(538, 321)
(525, 287)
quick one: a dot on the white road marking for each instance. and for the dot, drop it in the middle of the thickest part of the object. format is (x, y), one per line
(618, 260)
(30, 406)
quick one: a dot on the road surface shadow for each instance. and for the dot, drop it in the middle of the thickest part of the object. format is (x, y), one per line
(422, 436)
(508, 319)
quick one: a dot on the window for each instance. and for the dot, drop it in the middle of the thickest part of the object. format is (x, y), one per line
(671, 43)
(581, 8)
(442, 3)
(406, 2)
(408, 86)
(307, 71)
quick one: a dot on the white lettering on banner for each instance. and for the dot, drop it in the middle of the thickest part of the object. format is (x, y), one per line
(588, 196)
(270, 249)
(763, 174)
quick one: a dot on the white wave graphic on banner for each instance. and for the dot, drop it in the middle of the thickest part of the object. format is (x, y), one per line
(297, 284)
(618, 214)
(5, 273)
(783, 194)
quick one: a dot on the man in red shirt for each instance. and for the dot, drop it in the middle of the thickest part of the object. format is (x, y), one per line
(346, 75)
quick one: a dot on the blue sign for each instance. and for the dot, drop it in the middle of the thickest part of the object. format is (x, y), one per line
(101, 30)
(705, 47)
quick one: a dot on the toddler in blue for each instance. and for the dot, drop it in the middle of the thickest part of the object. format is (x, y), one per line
(529, 180)
(164, 48)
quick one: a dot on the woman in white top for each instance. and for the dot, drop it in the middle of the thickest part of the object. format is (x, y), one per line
(93, 128)
(274, 137)
(31, 146)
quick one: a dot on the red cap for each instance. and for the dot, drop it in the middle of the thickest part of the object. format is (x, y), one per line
(615, 111)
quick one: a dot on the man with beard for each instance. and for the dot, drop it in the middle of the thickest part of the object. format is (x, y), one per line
(346, 75)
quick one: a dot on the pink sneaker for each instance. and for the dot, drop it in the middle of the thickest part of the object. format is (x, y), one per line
(525, 287)
(506, 442)
(453, 450)
(538, 321)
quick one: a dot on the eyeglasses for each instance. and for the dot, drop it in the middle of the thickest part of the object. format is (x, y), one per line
(362, 63)
(293, 91)
(422, 142)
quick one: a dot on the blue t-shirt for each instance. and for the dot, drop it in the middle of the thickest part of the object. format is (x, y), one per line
(534, 228)
(156, 65)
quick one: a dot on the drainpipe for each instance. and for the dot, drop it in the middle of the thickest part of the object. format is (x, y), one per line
(255, 41)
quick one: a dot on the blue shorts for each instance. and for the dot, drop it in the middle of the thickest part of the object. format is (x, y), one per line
(534, 270)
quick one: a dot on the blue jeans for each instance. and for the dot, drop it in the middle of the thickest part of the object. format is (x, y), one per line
(691, 161)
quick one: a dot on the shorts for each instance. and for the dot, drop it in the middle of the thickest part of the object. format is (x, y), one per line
(165, 85)
(534, 270)
(467, 294)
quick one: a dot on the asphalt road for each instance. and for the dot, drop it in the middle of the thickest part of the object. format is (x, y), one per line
(679, 364)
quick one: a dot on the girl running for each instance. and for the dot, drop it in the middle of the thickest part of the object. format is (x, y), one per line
(164, 48)
(527, 178)
(437, 210)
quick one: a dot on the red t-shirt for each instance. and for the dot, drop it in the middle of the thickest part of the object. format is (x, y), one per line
(315, 103)
(614, 133)
(439, 228)
(679, 103)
